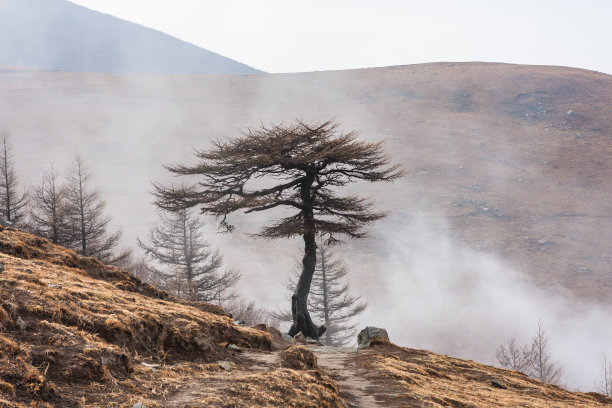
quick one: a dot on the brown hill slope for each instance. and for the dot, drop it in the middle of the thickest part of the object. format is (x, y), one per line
(74, 332)
(516, 158)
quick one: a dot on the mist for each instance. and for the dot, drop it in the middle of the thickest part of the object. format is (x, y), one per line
(487, 169)
(443, 296)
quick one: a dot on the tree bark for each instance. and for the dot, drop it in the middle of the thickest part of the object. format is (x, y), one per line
(299, 301)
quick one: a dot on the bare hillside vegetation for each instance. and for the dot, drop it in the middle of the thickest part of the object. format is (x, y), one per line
(77, 333)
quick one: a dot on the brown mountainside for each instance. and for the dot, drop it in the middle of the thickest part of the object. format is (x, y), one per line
(516, 158)
(77, 333)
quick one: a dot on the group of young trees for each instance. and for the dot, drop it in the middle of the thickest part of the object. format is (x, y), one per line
(533, 359)
(68, 211)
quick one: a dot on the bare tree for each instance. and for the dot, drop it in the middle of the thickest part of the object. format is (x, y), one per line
(12, 204)
(534, 359)
(87, 225)
(329, 299)
(543, 367)
(605, 383)
(514, 357)
(192, 270)
(300, 167)
(47, 209)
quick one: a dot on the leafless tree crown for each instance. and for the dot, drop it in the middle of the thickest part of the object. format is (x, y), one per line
(87, 225)
(47, 208)
(301, 166)
(12, 204)
(188, 267)
(533, 359)
(604, 386)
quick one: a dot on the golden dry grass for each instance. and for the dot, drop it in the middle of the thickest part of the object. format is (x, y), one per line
(417, 378)
(88, 322)
(96, 337)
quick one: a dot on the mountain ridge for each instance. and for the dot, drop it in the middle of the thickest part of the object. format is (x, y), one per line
(60, 35)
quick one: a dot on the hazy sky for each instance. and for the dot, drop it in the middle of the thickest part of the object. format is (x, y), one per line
(295, 36)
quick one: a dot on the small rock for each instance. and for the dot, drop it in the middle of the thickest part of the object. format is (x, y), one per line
(29, 271)
(233, 347)
(366, 335)
(570, 113)
(352, 404)
(498, 384)
(22, 325)
(139, 405)
(240, 322)
(226, 365)
(55, 285)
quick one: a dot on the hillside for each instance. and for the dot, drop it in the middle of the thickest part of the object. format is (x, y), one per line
(512, 160)
(59, 35)
(515, 158)
(74, 332)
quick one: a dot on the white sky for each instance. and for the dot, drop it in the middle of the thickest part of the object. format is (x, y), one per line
(294, 36)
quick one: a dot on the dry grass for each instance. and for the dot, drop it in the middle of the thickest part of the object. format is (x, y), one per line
(299, 357)
(96, 337)
(423, 379)
(90, 323)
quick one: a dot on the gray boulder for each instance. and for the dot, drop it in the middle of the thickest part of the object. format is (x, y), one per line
(366, 335)
(22, 325)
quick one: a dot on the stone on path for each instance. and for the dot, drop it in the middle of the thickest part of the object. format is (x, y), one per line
(369, 333)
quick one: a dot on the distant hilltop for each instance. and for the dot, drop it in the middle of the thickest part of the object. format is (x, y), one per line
(59, 35)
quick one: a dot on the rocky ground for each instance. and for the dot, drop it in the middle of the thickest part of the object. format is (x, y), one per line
(77, 333)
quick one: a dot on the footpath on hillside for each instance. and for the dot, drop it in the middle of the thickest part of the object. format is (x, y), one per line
(342, 365)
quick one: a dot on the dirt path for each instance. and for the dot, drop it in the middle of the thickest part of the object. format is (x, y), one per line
(340, 364)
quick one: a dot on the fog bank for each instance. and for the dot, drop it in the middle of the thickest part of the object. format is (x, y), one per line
(445, 297)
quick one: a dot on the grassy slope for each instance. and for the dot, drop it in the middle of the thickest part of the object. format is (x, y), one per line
(90, 328)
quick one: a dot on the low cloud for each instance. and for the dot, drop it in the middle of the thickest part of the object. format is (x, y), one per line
(443, 296)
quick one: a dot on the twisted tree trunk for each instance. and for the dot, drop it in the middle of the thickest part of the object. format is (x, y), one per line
(299, 301)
